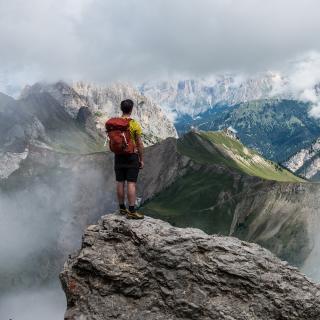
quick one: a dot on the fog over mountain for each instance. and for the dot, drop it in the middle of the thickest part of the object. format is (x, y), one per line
(298, 80)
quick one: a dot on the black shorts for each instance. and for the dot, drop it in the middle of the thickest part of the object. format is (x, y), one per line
(126, 167)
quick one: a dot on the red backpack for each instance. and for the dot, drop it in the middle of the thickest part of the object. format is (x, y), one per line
(118, 131)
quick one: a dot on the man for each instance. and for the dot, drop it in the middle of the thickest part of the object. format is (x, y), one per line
(125, 141)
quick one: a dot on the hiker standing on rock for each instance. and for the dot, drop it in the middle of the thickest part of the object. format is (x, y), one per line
(125, 141)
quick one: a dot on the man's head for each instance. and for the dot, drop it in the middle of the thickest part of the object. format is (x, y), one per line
(126, 106)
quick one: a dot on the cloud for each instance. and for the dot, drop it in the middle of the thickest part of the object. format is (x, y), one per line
(303, 79)
(46, 216)
(40, 224)
(305, 72)
(107, 40)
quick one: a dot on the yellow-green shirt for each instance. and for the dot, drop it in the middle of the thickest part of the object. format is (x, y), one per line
(135, 130)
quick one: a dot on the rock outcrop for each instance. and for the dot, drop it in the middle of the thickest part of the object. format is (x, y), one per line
(151, 270)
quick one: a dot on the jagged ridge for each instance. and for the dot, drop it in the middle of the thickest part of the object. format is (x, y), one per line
(103, 101)
(221, 148)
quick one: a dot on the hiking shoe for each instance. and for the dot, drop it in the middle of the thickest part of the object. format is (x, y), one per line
(135, 215)
(123, 211)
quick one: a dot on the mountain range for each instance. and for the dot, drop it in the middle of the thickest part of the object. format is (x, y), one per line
(69, 119)
(103, 102)
(207, 180)
(276, 128)
(211, 103)
(193, 96)
(51, 124)
(56, 176)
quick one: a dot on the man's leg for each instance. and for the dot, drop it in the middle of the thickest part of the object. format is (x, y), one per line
(121, 194)
(131, 189)
(120, 178)
(131, 186)
(132, 176)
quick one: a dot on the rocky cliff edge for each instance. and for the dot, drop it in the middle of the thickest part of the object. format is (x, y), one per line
(151, 270)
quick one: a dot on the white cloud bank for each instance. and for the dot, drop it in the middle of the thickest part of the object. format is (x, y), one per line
(139, 40)
(304, 79)
(103, 40)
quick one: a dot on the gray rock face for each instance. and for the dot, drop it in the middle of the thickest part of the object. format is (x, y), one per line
(306, 162)
(151, 270)
(163, 165)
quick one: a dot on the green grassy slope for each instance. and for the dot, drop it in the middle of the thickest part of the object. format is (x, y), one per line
(219, 148)
(206, 197)
(194, 200)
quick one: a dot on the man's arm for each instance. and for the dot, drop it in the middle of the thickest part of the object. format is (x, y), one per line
(140, 148)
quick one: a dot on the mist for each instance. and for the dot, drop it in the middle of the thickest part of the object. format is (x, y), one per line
(42, 219)
(29, 229)
(48, 304)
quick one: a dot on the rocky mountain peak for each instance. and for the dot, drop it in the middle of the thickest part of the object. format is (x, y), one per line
(193, 96)
(151, 270)
(103, 101)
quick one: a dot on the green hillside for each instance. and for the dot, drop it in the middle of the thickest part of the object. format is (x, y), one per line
(219, 148)
(206, 197)
(195, 200)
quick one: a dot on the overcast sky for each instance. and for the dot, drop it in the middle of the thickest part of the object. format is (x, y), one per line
(106, 40)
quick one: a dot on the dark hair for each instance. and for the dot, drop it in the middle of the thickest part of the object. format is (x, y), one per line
(126, 106)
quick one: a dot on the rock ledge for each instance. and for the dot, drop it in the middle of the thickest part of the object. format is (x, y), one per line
(150, 270)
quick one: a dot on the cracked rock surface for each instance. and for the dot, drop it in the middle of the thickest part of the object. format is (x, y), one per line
(151, 270)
